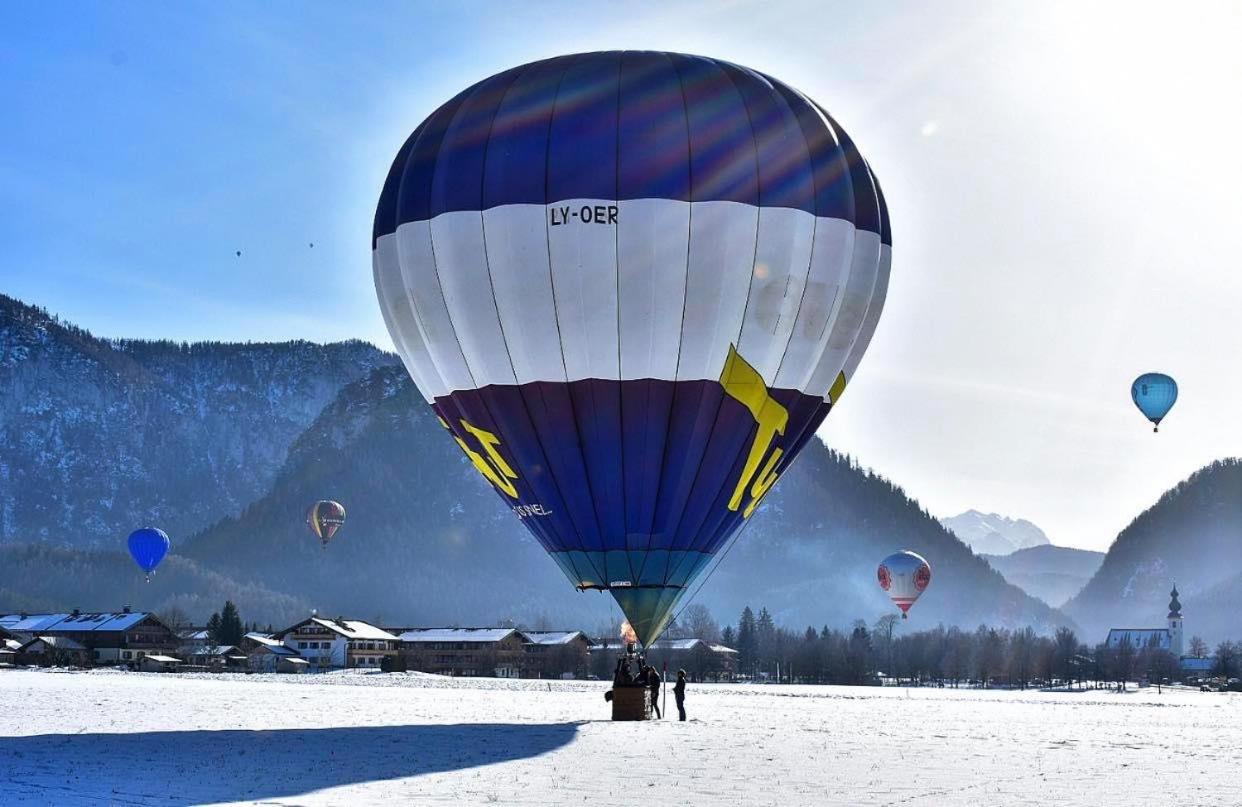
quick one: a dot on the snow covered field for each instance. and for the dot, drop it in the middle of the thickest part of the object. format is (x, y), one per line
(348, 738)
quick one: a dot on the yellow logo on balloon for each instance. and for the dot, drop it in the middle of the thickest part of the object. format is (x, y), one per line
(493, 466)
(745, 385)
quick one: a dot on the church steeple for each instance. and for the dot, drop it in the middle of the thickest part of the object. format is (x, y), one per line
(1175, 607)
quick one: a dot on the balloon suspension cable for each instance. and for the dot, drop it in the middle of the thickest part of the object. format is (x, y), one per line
(737, 537)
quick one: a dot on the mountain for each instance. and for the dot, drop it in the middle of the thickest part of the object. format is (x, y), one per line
(235, 441)
(98, 436)
(427, 541)
(1192, 537)
(1051, 573)
(994, 534)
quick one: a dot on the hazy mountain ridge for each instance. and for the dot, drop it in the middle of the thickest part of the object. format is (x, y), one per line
(1192, 537)
(99, 436)
(426, 539)
(463, 558)
(994, 534)
(1054, 574)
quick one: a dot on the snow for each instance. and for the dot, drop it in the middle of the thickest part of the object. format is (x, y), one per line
(456, 635)
(367, 738)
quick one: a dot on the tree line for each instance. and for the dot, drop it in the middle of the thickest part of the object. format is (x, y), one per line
(986, 656)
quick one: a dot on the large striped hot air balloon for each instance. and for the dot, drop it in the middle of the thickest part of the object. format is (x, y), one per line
(631, 285)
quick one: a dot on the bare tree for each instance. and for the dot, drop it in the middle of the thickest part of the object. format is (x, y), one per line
(1198, 647)
(700, 624)
(1226, 659)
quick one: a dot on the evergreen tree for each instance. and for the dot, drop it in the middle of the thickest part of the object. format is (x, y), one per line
(213, 629)
(765, 641)
(230, 624)
(746, 642)
(728, 638)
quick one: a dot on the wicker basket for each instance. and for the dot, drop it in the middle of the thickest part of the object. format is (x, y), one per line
(631, 703)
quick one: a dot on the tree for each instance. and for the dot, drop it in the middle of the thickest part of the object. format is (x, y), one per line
(230, 630)
(1066, 642)
(1226, 659)
(746, 642)
(213, 630)
(728, 638)
(765, 640)
(883, 630)
(700, 624)
(1198, 647)
(176, 620)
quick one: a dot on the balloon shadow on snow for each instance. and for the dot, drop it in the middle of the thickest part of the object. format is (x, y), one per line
(191, 767)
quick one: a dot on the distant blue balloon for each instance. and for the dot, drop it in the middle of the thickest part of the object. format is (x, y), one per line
(148, 546)
(1154, 394)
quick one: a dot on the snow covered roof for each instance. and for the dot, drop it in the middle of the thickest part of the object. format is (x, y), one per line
(29, 623)
(672, 645)
(273, 646)
(194, 635)
(354, 629)
(554, 637)
(349, 628)
(10, 644)
(293, 660)
(487, 635)
(1140, 638)
(165, 659)
(66, 623)
(58, 642)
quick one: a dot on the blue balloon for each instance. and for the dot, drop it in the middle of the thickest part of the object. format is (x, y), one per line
(1154, 394)
(148, 546)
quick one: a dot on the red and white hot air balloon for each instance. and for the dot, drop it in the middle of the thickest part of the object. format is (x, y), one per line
(904, 576)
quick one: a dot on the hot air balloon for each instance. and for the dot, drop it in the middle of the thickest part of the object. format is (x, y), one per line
(148, 546)
(631, 285)
(904, 576)
(324, 518)
(1154, 394)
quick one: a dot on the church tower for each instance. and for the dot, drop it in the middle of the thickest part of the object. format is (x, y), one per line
(1175, 625)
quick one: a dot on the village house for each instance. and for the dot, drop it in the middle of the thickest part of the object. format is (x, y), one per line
(336, 643)
(498, 652)
(53, 651)
(113, 637)
(556, 654)
(265, 654)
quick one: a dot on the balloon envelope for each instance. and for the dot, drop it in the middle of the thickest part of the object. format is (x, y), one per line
(1154, 394)
(631, 285)
(148, 546)
(904, 576)
(324, 518)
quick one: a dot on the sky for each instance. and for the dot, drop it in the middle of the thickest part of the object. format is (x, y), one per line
(1062, 178)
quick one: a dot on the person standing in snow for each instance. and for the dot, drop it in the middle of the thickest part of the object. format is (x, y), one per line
(679, 693)
(653, 681)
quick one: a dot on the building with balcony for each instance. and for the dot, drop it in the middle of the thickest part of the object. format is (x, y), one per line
(339, 643)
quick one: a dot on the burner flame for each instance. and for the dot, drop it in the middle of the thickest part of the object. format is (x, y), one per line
(627, 633)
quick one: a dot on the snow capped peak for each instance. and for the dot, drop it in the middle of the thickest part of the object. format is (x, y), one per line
(994, 534)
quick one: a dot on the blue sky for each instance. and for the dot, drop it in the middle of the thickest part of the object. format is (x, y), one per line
(1062, 180)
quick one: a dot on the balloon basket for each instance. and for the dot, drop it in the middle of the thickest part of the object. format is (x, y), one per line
(630, 699)
(631, 702)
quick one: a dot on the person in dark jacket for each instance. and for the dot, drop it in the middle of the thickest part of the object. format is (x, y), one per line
(679, 692)
(653, 683)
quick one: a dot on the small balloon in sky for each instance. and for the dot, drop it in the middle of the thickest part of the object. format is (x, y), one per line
(148, 546)
(239, 253)
(1154, 394)
(904, 576)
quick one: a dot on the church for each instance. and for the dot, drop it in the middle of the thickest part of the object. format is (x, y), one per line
(1168, 638)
